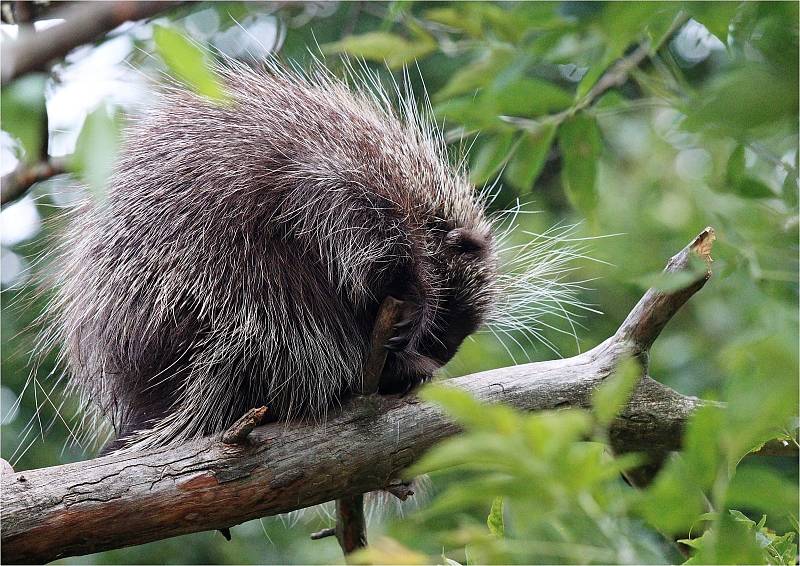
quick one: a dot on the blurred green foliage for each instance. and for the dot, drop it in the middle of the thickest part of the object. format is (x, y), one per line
(701, 130)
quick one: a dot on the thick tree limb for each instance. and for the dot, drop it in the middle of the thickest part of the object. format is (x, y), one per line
(83, 22)
(121, 500)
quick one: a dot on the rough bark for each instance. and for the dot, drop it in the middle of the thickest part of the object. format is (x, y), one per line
(121, 500)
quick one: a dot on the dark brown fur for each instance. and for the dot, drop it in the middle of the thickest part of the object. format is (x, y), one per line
(244, 248)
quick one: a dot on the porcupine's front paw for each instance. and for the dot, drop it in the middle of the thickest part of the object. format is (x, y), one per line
(405, 369)
(404, 330)
(401, 336)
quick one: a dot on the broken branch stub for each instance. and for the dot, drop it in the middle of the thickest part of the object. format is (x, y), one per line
(237, 433)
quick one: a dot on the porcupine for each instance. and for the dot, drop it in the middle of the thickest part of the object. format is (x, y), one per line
(244, 248)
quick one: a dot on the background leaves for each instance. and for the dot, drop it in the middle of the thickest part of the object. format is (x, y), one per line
(702, 131)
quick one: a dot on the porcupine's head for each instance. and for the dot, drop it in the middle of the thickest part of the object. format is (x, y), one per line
(477, 276)
(451, 284)
(464, 269)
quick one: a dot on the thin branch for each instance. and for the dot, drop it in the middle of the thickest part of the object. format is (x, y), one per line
(83, 22)
(648, 318)
(14, 185)
(388, 315)
(126, 499)
(351, 525)
(617, 75)
(324, 533)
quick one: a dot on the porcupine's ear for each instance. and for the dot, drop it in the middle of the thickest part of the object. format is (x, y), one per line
(466, 241)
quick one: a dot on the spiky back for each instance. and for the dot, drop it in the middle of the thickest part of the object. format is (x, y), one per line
(243, 248)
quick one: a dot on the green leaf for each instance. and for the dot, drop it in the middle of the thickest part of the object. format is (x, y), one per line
(96, 150)
(623, 24)
(549, 432)
(457, 17)
(748, 187)
(733, 105)
(758, 487)
(590, 78)
(761, 394)
(579, 140)
(672, 502)
(736, 165)
(614, 393)
(733, 542)
(478, 114)
(738, 182)
(483, 450)
(478, 74)
(702, 454)
(530, 157)
(188, 62)
(467, 411)
(382, 46)
(495, 519)
(490, 158)
(529, 97)
(22, 105)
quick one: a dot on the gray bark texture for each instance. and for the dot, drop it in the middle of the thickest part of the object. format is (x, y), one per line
(122, 500)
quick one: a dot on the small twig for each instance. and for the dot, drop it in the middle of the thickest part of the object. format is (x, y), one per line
(237, 433)
(324, 533)
(351, 527)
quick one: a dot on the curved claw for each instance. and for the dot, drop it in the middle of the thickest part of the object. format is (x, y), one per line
(397, 343)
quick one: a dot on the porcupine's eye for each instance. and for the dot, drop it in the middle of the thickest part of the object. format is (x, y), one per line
(465, 241)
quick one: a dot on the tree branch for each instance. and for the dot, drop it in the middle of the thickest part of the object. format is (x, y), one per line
(83, 22)
(15, 184)
(125, 499)
(351, 524)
